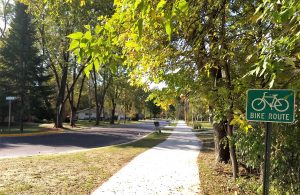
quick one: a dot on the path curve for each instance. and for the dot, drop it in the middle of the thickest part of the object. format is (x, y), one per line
(169, 168)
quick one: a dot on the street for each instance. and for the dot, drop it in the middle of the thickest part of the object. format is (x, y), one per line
(73, 140)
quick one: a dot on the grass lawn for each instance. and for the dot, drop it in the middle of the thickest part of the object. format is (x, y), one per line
(29, 128)
(81, 124)
(37, 128)
(75, 173)
(169, 127)
(217, 178)
(200, 125)
(173, 123)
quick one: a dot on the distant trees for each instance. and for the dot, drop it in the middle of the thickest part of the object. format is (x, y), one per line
(153, 109)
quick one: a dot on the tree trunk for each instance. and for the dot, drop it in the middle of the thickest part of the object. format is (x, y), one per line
(233, 157)
(101, 102)
(71, 101)
(221, 143)
(96, 96)
(113, 111)
(73, 114)
(125, 113)
(230, 98)
(60, 99)
(59, 115)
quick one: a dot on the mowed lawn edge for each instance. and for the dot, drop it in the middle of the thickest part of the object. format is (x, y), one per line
(74, 173)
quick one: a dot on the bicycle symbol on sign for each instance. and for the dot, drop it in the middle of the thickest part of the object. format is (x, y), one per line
(279, 104)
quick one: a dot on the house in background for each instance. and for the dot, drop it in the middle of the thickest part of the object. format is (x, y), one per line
(87, 114)
(90, 114)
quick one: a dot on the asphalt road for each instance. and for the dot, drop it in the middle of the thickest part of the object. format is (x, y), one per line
(73, 140)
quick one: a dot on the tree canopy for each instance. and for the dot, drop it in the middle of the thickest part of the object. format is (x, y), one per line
(206, 53)
(217, 49)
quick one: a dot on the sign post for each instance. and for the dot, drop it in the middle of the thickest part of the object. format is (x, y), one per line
(276, 105)
(9, 98)
(266, 171)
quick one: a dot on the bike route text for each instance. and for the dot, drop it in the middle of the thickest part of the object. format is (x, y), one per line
(269, 116)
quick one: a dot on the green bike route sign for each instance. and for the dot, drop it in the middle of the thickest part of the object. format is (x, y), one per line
(273, 105)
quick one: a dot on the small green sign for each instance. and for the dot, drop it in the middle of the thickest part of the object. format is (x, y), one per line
(273, 105)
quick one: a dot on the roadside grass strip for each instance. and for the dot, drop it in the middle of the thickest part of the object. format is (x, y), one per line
(74, 173)
(30, 129)
(32, 134)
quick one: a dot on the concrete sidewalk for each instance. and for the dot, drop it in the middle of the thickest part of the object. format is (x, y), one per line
(169, 168)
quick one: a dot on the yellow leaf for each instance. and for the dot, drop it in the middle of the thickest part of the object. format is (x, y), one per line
(74, 44)
(82, 2)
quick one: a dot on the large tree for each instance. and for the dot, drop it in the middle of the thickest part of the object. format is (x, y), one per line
(55, 21)
(22, 69)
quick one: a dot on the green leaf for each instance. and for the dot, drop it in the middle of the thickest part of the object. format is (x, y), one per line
(74, 44)
(113, 68)
(88, 27)
(249, 57)
(96, 64)
(286, 14)
(83, 45)
(264, 68)
(257, 69)
(88, 69)
(137, 3)
(169, 28)
(140, 27)
(290, 61)
(273, 77)
(183, 6)
(98, 29)
(76, 35)
(131, 44)
(87, 35)
(161, 4)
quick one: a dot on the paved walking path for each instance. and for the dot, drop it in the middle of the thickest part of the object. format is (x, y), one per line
(169, 168)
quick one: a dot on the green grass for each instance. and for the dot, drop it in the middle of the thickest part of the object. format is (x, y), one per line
(32, 128)
(87, 123)
(170, 127)
(82, 124)
(173, 123)
(200, 125)
(28, 128)
(216, 178)
(75, 173)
